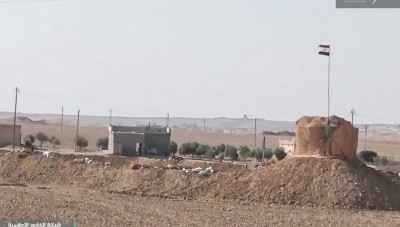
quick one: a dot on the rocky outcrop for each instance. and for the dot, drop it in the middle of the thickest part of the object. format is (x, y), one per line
(334, 138)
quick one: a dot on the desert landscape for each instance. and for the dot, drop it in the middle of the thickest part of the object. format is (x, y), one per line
(99, 190)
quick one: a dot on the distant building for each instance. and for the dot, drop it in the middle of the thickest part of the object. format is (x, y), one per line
(130, 141)
(6, 135)
(287, 144)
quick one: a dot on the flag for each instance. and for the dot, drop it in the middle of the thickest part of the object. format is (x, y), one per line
(324, 50)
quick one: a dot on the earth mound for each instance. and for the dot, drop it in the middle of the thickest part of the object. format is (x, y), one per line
(301, 181)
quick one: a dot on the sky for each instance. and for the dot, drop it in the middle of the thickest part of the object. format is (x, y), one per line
(193, 58)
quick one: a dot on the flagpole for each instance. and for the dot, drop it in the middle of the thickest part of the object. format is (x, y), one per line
(15, 117)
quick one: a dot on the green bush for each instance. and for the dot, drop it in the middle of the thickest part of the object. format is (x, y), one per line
(81, 142)
(173, 147)
(210, 154)
(244, 152)
(29, 140)
(102, 143)
(231, 152)
(367, 156)
(267, 154)
(280, 153)
(201, 150)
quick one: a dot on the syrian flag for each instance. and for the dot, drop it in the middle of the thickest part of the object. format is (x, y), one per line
(324, 50)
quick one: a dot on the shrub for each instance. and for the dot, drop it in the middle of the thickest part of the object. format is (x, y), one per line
(29, 140)
(201, 150)
(81, 142)
(220, 149)
(41, 137)
(102, 143)
(367, 156)
(54, 141)
(280, 153)
(244, 152)
(210, 154)
(267, 154)
(231, 152)
(188, 148)
(173, 147)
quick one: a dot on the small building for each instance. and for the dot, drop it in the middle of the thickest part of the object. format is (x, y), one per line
(287, 144)
(130, 141)
(6, 135)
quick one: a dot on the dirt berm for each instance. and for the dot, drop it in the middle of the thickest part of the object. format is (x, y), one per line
(303, 181)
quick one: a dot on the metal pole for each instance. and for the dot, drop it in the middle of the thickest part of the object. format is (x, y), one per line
(263, 151)
(365, 138)
(352, 117)
(167, 120)
(15, 116)
(204, 125)
(111, 116)
(77, 129)
(62, 118)
(255, 132)
(329, 79)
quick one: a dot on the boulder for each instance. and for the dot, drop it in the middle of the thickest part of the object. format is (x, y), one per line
(335, 137)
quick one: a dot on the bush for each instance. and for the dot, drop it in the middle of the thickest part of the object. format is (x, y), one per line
(382, 161)
(173, 147)
(231, 152)
(81, 142)
(201, 150)
(280, 153)
(220, 149)
(210, 154)
(54, 141)
(29, 140)
(267, 154)
(102, 143)
(41, 137)
(367, 156)
(244, 152)
(188, 148)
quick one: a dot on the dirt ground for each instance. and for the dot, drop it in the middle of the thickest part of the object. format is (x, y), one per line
(94, 208)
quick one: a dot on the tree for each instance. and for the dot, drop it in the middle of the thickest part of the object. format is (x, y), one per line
(279, 153)
(267, 154)
(41, 137)
(367, 156)
(188, 148)
(29, 140)
(220, 149)
(244, 152)
(81, 142)
(210, 154)
(231, 152)
(102, 143)
(173, 147)
(201, 150)
(54, 141)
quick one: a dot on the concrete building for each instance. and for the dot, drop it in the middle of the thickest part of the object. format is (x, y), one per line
(130, 141)
(6, 135)
(287, 144)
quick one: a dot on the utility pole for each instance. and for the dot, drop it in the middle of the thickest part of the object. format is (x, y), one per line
(255, 132)
(263, 151)
(167, 120)
(204, 125)
(77, 130)
(15, 116)
(62, 118)
(111, 116)
(365, 138)
(352, 116)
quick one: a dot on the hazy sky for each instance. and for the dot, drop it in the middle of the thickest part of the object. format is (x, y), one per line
(199, 58)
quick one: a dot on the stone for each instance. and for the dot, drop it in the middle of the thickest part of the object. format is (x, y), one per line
(335, 138)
